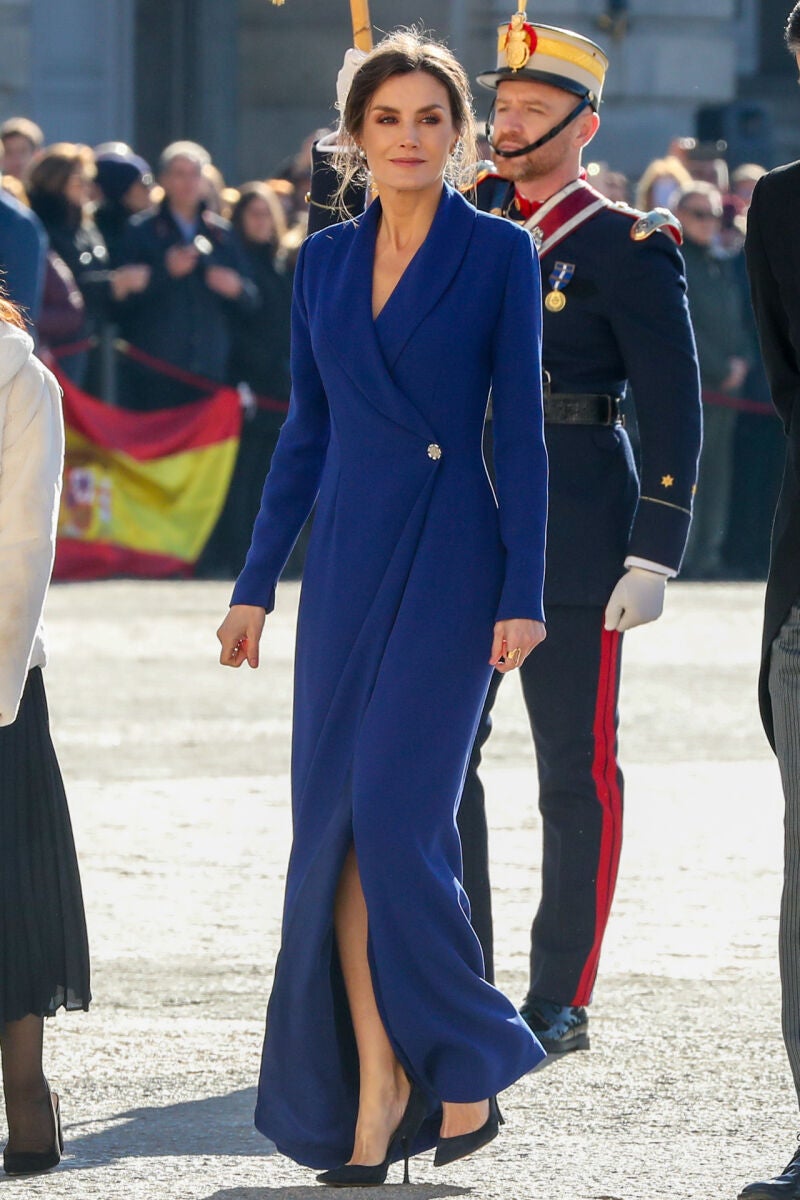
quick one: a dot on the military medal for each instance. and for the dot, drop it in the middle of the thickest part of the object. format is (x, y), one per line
(560, 277)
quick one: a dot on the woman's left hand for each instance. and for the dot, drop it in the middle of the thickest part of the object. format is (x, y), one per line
(513, 642)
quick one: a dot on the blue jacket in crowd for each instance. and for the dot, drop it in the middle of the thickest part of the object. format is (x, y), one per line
(23, 247)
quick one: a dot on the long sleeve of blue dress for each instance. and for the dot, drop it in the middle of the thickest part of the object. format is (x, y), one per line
(520, 458)
(293, 481)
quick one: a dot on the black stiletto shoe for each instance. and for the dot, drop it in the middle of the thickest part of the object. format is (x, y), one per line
(356, 1175)
(28, 1162)
(450, 1148)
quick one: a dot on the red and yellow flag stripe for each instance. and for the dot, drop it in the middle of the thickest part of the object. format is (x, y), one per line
(142, 491)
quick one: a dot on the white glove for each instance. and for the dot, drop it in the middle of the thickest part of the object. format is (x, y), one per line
(637, 599)
(352, 61)
(328, 143)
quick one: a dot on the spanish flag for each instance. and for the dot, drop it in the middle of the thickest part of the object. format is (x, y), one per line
(142, 491)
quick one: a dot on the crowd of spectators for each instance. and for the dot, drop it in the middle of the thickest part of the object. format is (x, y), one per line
(742, 458)
(159, 286)
(156, 288)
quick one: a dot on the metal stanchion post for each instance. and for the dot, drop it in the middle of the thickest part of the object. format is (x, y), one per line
(108, 365)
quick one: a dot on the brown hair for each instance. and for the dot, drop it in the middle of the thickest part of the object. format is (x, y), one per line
(53, 166)
(792, 31)
(10, 312)
(264, 191)
(401, 53)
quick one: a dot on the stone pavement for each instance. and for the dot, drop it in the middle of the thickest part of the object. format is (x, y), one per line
(177, 776)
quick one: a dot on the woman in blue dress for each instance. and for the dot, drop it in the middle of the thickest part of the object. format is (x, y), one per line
(383, 1037)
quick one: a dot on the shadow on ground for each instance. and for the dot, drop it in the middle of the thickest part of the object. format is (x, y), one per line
(415, 1191)
(216, 1126)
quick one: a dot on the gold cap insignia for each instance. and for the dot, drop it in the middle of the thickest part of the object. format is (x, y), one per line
(520, 42)
(566, 59)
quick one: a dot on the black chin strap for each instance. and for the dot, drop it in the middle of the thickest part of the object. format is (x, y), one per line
(542, 141)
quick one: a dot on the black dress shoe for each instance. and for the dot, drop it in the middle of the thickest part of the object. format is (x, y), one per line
(29, 1162)
(783, 1187)
(448, 1149)
(559, 1027)
(357, 1175)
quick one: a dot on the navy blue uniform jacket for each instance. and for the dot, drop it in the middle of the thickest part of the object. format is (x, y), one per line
(411, 561)
(625, 323)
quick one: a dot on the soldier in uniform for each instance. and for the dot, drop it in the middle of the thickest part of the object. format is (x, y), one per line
(615, 316)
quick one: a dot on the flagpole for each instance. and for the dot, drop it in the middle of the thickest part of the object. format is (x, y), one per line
(362, 26)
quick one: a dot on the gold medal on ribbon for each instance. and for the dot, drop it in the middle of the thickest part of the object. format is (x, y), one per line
(560, 277)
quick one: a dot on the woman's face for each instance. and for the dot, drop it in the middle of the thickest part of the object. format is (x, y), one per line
(257, 222)
(408, 132)
(76, 189)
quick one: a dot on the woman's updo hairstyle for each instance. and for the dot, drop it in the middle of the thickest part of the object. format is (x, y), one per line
(400, 53)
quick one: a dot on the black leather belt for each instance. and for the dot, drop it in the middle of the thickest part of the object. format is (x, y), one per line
(565, 408)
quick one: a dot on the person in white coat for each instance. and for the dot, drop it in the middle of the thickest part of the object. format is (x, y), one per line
(44, 957)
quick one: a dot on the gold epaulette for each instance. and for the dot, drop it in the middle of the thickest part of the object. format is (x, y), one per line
(484, 170)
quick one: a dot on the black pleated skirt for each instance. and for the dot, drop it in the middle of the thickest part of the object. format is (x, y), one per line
(44, 952)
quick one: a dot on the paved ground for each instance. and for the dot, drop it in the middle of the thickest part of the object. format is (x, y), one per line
(177, 776)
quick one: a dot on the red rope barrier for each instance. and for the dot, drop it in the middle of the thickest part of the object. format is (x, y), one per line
(739, 403)
(70, 348)
(162, 367)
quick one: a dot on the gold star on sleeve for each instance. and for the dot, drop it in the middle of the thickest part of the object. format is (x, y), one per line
(667, 481)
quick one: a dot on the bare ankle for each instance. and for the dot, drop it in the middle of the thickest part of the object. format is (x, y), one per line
(384, 1090)
(382, 1102)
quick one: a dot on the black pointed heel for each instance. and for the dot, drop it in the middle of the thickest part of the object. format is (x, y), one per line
(28, 1162)
(356, 1175)
(451, 1148)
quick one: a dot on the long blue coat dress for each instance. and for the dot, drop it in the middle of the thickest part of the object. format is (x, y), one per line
(411, 561)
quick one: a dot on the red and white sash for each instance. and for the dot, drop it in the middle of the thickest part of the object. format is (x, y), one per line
(563, 213)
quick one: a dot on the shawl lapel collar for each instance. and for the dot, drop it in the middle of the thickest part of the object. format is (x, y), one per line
(367, 349)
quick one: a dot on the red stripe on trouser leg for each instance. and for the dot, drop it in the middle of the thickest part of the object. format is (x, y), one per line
(605, 776)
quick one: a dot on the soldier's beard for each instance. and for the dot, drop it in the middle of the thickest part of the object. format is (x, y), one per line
(527, 168)
(516, 170)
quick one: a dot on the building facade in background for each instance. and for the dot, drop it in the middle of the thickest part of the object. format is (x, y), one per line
(250, 80)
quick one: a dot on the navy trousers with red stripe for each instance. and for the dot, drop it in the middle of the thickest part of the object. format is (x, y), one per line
(571, 687)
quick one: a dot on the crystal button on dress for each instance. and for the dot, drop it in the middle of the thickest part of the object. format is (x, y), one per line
(434, 451)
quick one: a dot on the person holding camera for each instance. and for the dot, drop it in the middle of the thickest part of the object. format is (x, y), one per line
(199, 280)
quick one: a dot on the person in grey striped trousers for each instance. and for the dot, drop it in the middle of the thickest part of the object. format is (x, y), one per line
(772, 251)
(784, 688)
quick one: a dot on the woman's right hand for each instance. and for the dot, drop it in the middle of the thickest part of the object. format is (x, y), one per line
(240, 633)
